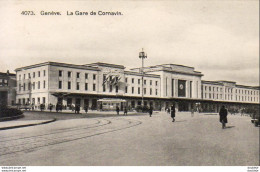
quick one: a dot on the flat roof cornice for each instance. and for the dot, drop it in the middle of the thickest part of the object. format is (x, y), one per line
(58, 64)
(139, 74)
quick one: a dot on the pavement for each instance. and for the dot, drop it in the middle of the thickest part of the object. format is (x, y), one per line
(32, 118)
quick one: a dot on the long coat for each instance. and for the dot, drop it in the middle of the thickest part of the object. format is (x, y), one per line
(172, 112)
(223, 115)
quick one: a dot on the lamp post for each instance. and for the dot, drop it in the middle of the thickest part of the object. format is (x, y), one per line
(142, 56)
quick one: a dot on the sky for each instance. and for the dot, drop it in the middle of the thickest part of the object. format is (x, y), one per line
(218, 38)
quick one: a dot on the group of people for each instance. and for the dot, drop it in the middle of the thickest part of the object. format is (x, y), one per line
(125, 110)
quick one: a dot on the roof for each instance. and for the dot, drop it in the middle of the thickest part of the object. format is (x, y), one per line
(249, 87)
(140, 74)
(172, 68)
(211, 82)
(57, 64)
(105, 65)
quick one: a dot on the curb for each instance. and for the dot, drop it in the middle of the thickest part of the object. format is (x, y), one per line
(28, 125)
(11, 118)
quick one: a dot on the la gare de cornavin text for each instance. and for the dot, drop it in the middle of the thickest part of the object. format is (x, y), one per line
(72, 13)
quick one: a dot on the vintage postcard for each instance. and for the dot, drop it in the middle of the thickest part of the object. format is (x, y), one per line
(129, 83)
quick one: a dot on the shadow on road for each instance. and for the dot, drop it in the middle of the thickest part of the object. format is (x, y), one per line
(230, 127)
(181, 121)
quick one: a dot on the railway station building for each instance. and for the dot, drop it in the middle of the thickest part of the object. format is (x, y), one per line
(102, 86)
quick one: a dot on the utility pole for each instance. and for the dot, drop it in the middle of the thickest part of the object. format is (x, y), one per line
(142, 56)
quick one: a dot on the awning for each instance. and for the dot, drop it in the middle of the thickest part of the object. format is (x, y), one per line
(111, 100)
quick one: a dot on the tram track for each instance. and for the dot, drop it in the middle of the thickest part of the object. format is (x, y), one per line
(56, 132)
(29, 144)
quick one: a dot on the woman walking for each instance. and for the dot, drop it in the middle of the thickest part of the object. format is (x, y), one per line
(173, 112)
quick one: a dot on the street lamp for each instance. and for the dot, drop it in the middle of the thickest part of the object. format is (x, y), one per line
(142, 56)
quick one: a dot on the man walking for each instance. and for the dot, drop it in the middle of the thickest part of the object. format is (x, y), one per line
(117, 110)
(125, 110)
(151, 111)
(223, 116)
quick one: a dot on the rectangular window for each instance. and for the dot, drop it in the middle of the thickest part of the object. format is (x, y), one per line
(23, 86)
(139, 90)
(191, 89)
(60, 84)
(151, 82)
(29, 86)
(39, 85)
(23, 76)
(33, 74)
(205, 88)
(209, 88)
(86, 86)
(39, 73)
(151, 91)
(156, 83)
(78, 74)
(60, 73)
(133, 80)
(44, 72)
(110, 88)
(29, 76)
(116, 89)
(104, 88)
(77, 85)
(86, 76)
(69, 85)
(156, 92)
(44, 83)
(69, 74)
(138, 81)
(94, 76)
(43, 100)
(133, 90)
(144, 82)
(94, 87)
(126, 89)
(144, 90)
(126, 80)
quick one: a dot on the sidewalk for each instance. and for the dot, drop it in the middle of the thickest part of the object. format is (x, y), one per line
(19, 124)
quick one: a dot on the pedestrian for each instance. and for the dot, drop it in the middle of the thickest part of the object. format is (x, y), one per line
(223, 116)
(173, 112)
(117, 110)
(192, 112)
(41, 107)
(125, 110)
(77, 109)
(57, 107)
(151, 111)
(86, 108)
(50, 107)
